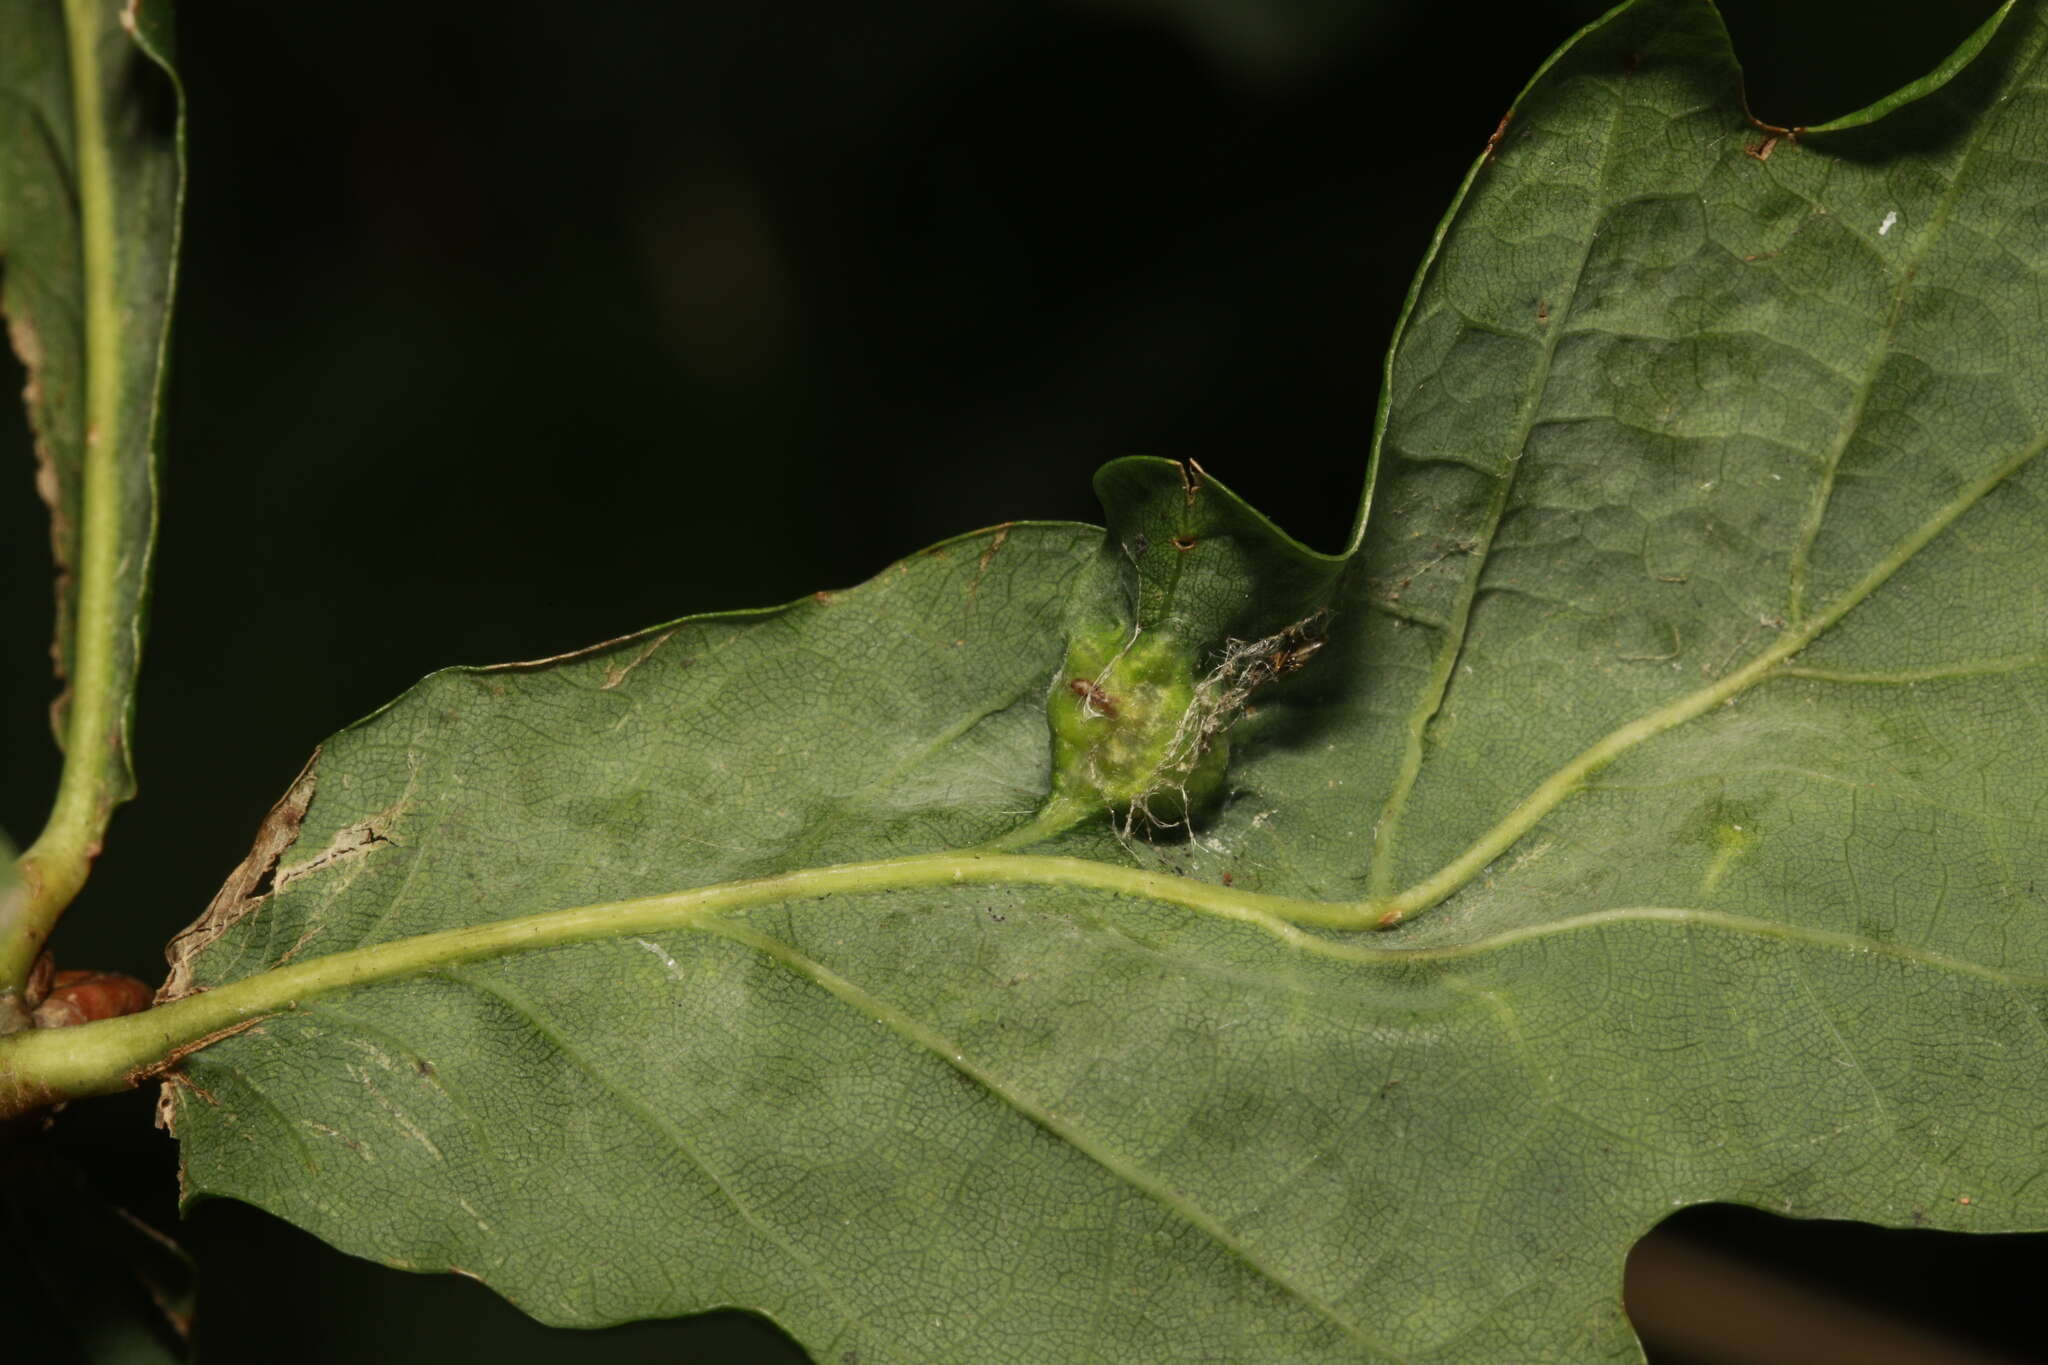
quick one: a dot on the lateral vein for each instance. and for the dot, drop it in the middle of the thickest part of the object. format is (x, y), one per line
(914, 1030)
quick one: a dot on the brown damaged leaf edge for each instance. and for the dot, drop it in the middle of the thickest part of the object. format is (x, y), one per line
(165, 1114)
(1500, 130)
(351, 841)
(247, 887)
(988, 553)
(614, 674)
(617, 642)
(28, 349)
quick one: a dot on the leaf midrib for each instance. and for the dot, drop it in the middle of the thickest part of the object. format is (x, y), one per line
(40, 1066)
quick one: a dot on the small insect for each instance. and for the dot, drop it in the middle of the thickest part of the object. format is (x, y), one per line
(1288, 651)
(1293, 653)
(1093, 697)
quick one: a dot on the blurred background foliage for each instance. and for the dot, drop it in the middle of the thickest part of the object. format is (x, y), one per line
(506, 330)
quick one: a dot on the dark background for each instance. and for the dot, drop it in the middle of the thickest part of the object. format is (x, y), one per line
(506, 329)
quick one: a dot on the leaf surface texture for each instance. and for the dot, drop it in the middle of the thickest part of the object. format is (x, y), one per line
(1687, 680)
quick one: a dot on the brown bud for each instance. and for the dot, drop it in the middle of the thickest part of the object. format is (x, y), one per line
(82, 997)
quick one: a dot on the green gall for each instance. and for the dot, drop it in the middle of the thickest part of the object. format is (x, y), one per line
(1130, 731)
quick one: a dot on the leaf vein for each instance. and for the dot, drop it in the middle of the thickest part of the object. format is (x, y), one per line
(1123, 1168)
(1386, 829)
(652, 1120)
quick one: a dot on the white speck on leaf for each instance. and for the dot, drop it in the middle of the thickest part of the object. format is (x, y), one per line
(662, 953)
(1890, 221)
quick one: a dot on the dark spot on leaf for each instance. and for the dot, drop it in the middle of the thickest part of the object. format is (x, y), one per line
(1184, 543)
(1500, 131)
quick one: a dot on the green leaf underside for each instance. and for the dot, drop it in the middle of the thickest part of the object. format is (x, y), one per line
(65, 273)
(1673, 432)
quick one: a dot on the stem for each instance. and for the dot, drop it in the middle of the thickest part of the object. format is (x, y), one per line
(46, 1066)
(95, 776)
